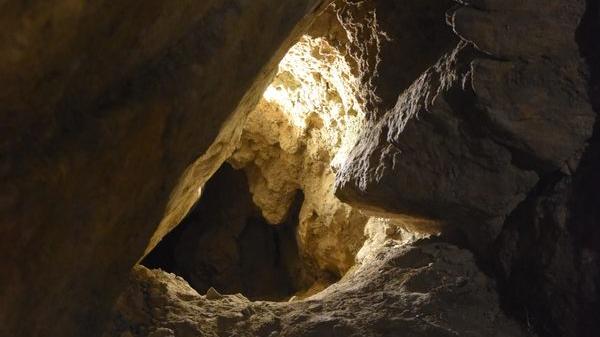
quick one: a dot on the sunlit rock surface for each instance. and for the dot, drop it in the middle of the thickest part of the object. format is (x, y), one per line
(114, 114)
(298, 136)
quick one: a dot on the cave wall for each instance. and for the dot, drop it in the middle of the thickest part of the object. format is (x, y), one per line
(295, 139)
(225, 243)
(104, 106)
(469, 139)
(552, 239)
(110, 112)
(387, 43)
(495, 141)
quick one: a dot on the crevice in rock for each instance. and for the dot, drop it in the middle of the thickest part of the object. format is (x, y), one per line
(272, 228)
(551, 239)
(495, 263)
(587, 36)
(225, 243)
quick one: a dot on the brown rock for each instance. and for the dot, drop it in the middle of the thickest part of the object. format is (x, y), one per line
(423, 160)
(103, 107)
(472, 136)
(424, 290)
(389, 43)
(466, 142)
(212, 294)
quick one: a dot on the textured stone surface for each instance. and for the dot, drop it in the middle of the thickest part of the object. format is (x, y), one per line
(108, 111)
(296, 138)
(553, 239)
(388, 43)
(225, 243)
(424, 290)
(424, 161)
(469, 139)
(103, 106)
(490, 140)
(291, 144)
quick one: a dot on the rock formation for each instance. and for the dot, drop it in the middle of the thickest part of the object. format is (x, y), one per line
(104, 107)
(493, 140)
(292, 143)
(429, 289)
(297, 137)
(225, 243)
(470, 122)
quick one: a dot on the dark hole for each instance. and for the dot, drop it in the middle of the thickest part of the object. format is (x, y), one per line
(225, 243)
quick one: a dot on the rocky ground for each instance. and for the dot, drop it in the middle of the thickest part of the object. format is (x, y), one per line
(424, 289)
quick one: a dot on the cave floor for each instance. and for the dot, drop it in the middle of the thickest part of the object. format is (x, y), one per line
(423, 289)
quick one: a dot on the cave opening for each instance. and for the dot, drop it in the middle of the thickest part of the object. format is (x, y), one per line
(225, 243)
(163, 134)
(267, 224)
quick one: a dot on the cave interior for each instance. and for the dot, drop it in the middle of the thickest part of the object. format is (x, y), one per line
(300, 168)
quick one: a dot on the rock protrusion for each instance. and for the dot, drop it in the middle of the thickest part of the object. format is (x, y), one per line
(421, 290)
(212, 294)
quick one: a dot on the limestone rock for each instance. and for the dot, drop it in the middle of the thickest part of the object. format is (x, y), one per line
(487, 140)
(423, 160)
(103, 107)
(469, 139)
(212, 294)
(296, 138)
(552, 240)
(387, 43)
(428, 289)
(157, 301)
(114, 114)
(225, 243)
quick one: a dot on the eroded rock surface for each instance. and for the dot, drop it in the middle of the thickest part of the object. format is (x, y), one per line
(428, 289)
(103, 107)
(469, 139)
(422, 159)
(490, 140)
(114, 115)
(552, 240)
(224, 242)
(387, 43)
(297, 137)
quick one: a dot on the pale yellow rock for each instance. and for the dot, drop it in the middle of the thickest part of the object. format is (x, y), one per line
(296, 138)
(385, 232)
(189, 188)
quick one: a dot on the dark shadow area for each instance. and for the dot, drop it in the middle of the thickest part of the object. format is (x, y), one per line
(549, 252)
(225, 243)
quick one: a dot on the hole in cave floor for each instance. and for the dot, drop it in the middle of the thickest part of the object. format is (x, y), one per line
(225, 243)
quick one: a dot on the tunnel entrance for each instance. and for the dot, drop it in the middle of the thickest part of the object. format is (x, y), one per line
(268, 224)
(226, 243)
